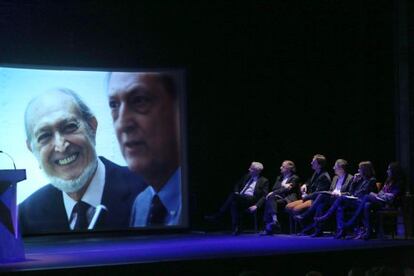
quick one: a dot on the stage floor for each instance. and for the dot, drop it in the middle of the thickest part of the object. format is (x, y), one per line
(65, 252)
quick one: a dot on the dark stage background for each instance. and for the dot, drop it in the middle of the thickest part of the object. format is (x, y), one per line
(267, 80)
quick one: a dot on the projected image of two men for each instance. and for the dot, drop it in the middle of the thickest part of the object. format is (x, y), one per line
(101, 150)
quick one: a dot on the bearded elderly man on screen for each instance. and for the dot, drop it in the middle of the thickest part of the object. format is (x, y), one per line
(85, 192)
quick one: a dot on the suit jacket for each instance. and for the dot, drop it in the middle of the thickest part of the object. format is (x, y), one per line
(44, 210)
(345, 185)
(288, 194)
(363, 187)
(318, 182)
(260, 190)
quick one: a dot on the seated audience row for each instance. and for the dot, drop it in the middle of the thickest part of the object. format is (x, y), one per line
(312, 204)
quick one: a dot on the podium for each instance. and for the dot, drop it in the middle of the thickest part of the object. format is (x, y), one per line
(11, 244)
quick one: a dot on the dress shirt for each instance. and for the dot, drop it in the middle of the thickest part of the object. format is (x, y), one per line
(92, 196)
(249, 190)
(285, 179)
(170, 196)
(339, 183)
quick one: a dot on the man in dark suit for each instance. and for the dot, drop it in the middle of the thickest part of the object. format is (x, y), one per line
(44, 211)
(285, 190)
(248, 195)
(85, 192)
(340, 185)
(320, 181)
(363, 183)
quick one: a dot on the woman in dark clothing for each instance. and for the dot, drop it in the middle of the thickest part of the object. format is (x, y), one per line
(388, 196)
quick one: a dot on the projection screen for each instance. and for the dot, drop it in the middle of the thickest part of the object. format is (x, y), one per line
(102, 149)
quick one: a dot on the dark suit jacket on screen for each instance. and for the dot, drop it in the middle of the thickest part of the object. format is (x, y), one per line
(260, 190)
(44, 210)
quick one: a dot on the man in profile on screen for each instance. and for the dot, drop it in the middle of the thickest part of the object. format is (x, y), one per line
(85, 192)
(145, 113)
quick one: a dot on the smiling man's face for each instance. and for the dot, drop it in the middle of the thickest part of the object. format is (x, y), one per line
(60, 139)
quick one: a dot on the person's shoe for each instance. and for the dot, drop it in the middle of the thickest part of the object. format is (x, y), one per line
(269, 229)
(359, 233)
(276, 228)
(266, 233)
(318, 233)
(236, 231)
(341, 234)
(307, 230)
(273, 228)
(358, 236)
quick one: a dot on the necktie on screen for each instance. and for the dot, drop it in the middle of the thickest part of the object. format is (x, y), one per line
(249, 182)
(157, 213)
(81, 209)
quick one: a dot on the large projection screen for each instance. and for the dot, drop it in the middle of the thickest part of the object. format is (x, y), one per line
(136, 127)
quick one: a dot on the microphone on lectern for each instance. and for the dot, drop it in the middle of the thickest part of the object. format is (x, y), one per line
(11, 158)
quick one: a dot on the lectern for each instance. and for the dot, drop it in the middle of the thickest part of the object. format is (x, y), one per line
(11, 244)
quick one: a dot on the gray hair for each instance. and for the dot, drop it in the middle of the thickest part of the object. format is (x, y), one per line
(342, 163)
(291, 164)
(85, 112)
(258, 165)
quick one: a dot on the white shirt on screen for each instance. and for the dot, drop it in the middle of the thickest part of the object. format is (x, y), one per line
(92, 196)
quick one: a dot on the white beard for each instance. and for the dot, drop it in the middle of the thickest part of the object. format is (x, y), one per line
(74, 185)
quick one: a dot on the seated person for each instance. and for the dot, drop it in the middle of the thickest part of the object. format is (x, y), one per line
(387, 197)
(362, 184)
(340, 185)
(320, 181)
(285, 190)
(248, 195)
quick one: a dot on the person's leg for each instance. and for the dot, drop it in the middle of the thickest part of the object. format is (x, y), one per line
(223, 209)
(270, 210)
(235, 215)
(372, 204)
(239, 205)
(340, 231)
(358, 211)
(345, 205)
(320, 200)
(227, 204)
(270, 217)
(299, 208)
(280, 205)
(331, 210)
(290, 206)
(367, 220)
